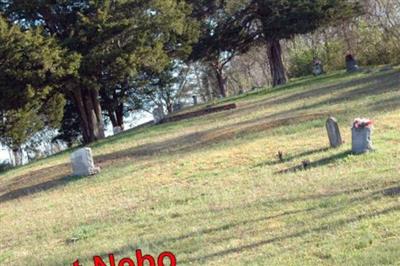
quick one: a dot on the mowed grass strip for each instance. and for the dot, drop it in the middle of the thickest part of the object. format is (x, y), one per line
(212, 190)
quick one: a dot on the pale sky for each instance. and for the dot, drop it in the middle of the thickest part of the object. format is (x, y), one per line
(3, 154)
(131, 122)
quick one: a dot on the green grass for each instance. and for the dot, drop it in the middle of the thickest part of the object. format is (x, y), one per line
(211, 189)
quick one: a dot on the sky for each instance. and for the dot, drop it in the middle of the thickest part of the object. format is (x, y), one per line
(3, 154)
(132, 121)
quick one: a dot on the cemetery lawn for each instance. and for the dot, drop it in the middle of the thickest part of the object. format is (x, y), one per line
(212, 190)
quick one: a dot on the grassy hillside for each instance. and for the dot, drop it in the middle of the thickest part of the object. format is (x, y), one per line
(211, 189)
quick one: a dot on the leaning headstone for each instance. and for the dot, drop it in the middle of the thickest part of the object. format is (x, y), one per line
(351, 64)
(362, 136)
(117, 130)
(83, 164)
(159, 115)
(335, 138)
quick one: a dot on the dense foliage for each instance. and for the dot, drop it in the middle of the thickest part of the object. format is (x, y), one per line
(32, 71)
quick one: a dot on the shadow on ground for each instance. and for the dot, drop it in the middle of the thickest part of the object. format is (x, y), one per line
(329, 218)
(319, 163)
(52, 177)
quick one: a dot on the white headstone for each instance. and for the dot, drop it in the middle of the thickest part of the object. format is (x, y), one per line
(159, 115)
(335, 138)
(82, 163)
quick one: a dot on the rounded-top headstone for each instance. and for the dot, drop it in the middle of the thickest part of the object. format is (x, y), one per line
(82, 163)
(335, 138)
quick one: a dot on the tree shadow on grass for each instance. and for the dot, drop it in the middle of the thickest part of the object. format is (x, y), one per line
(55, 176)
(316, 230)
(318, 163)
(364, 86)
(329, 226)
(205, 138)
(392, 192)
(314, 213)
(291, 157)
(228, 226)
(37, 188)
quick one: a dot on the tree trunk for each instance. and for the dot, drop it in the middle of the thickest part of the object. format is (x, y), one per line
(278, 71)
(17, 153)
(12, 157)
(170, 108)
(92, 124)
(113, 118)
(119, 113)
(221, 80)
(116, 116)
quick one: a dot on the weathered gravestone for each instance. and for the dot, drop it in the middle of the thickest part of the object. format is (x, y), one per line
(194, 99)
(83, 164)
(351, 64)
(362, 136)
(159, 115)
(335, 138)
(177, 107)
(317, 67)
(118, 130)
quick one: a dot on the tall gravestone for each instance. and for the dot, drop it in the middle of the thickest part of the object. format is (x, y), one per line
(335, 138)
(194, 100)
(159, 115)
(82, 163)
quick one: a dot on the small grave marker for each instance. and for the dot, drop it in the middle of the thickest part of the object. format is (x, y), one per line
(159, 115)
(177, 106)
(82, 163)
(351, 64)
(335, 138)
(317, 67)
(117, 130)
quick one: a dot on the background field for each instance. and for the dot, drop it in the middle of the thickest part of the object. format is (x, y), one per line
(211, 189)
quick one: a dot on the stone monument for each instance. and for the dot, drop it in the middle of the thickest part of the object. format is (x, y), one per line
(177, 106)
(159, 115)
(82, 163)
(317, 67)
(335, 138)
(351, 64)
(362, 136)
(117, 130)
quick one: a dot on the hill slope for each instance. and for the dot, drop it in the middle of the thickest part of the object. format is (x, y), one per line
(211, 190)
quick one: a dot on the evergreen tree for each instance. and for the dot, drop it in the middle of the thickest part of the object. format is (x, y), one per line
(116, 40)
(233, 25)
(222, 37)
(148, 45)
(32, 71)
(281, 19)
